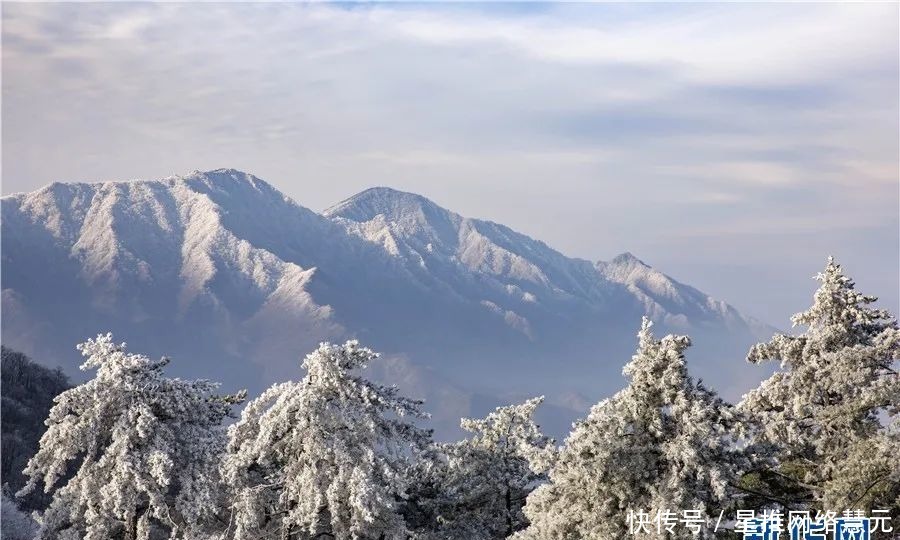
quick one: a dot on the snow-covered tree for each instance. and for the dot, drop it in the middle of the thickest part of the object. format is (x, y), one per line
(14, 523)
(476, 488)
(137, 452)
(326, 457)
(663, 443)
(828, 407)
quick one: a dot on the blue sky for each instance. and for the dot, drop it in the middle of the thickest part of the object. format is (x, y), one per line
(733, 146)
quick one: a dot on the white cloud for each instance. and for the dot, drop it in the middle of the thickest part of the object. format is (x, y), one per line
(713, 44)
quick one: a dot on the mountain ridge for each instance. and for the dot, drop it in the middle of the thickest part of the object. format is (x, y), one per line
(223, 269)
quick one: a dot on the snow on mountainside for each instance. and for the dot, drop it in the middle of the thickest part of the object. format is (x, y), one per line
(514, 269)
(236, 282)
(665, 299)
(148, 251)
(412, 226)
(510, 275)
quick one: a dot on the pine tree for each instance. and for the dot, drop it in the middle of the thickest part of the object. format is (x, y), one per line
(476, 488)
(326, 457)
(137, 451)
(663, 443)
(826, 409)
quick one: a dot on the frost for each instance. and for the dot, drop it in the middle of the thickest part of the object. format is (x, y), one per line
(136, 453)
(824, 410)
(476, 488)
(664, 442)
(323, 457)
(221, 267)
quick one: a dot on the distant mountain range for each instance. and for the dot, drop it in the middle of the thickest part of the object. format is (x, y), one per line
(237, 282)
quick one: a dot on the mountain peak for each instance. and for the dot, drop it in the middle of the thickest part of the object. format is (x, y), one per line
(220, 178)
(227, 172)
(627, 258)
(220, 267)
(382, 191)
(392, 204)
(228, 179)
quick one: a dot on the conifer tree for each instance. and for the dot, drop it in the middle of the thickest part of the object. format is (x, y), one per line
(326, 457)
(664, 443)
(476, 488)
(832, 409)
(138, 452)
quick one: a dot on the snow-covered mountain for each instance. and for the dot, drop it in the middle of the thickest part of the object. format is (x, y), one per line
(676, 304)
(236, 281)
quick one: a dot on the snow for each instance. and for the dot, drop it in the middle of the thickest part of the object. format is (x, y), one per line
(327, 455)
(833, 405)
(141, 449)
(220, 266)
(133, 453)
(475, 488)
(663, 442)
(236, 281)
(665, 299)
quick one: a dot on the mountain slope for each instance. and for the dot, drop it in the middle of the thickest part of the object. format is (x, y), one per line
(665, 299)
(153, 258)
(434, 239)
(514, 272)
(237, 281)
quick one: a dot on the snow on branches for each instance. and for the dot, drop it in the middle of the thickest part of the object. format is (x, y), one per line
(325, 457)
(132, 454)
(825, 409)
(476, 488)
(663, 443)
(136, 452)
